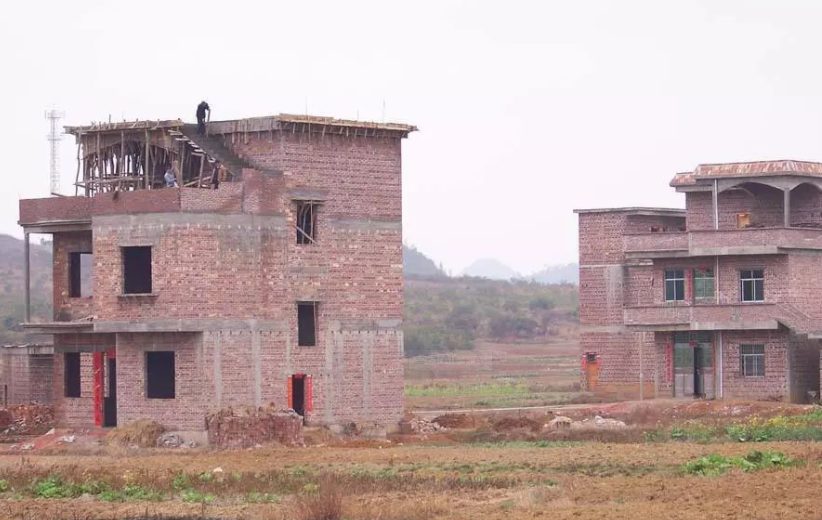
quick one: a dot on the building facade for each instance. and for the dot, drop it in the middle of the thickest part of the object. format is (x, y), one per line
(269, 272)
(719, 300)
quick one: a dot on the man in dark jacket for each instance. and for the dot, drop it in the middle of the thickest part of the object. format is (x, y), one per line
(202, 108)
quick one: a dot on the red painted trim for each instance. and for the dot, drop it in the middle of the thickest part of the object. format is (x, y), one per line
(98, 377)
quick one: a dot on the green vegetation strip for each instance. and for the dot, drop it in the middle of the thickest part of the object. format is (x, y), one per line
(714, 465)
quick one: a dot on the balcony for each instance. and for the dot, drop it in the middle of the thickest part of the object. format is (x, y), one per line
(749, 241)
(703, 317)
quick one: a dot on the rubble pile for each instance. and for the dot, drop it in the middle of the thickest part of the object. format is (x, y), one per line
(26, 419)
(421, 426)
(562, 423)
(248, 427)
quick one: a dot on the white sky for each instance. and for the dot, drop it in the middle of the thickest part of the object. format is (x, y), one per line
(526, 109)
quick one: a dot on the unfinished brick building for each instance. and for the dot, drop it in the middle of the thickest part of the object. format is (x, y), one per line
(719, 300)
(272, 274)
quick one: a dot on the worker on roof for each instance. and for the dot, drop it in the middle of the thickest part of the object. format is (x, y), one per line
(170, 177)
(202, 108)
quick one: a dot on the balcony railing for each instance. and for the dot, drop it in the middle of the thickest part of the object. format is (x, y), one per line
(703, 317)
(722, 242)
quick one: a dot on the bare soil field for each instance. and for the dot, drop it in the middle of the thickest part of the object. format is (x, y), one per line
(495, 375)
(670, 459)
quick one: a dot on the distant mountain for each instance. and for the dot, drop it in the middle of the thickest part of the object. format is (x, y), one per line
(567, 273)
(12, 299)
(491, 269)
(415, 263)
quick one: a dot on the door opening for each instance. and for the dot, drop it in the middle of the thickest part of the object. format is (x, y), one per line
(110, 400)
(694, 365)
(298, 393)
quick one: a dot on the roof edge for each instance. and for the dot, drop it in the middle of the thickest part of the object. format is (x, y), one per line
(639, 210)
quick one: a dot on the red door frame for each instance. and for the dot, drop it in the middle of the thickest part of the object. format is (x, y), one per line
(98, 365)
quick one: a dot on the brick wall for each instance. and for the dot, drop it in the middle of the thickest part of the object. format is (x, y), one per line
(359, 174)
(774, 384)
(24, 377)
(67, 308)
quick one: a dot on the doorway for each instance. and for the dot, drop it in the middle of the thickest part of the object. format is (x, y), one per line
(694, 365)
(298, 393)
(110, 400)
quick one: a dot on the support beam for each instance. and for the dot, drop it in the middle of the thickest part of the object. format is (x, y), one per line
(27, 274)
(787, 206)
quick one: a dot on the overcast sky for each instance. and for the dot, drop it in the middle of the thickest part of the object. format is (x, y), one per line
(526, 110)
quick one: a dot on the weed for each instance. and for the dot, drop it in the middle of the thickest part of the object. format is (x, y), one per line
(780, 428)
(4, 485)
(181, 481)
(193, 495)
(713, 464)
(256, 497)
(324, 503)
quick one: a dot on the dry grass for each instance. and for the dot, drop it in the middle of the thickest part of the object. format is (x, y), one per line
(142, 433)
(324, 503)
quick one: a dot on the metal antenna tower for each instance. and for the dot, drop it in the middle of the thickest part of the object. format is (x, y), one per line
(54, 138)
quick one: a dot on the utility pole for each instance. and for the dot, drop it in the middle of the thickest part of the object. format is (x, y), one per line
(55, 136)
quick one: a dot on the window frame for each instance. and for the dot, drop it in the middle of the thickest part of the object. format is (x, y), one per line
(752, 280)
(151, 392)
(676, 280)
(756, 359)
(699, 281)
(305, 238)
(302, 341)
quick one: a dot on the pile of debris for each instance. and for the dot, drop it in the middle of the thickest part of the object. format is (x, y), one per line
(26, 419)
(561, 423)
(420, 426)
(248, 427)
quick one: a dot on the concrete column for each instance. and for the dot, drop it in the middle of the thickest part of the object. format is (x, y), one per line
(787, 206)
(715, 201)
(27, 275)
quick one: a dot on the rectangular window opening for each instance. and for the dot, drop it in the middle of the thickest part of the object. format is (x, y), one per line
(160, 376)
(81, 267)
(71, 373)
(752, 360)
(674, 285)
(307, 324)
(703, 284)
(137, 270)
(752, 283)
(306, 222)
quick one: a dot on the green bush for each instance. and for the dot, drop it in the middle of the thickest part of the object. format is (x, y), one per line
(713, 465)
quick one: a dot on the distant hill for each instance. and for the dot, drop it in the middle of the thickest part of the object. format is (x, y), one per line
(12, 293)
(567, 273)
(491, 269)
(415, 263)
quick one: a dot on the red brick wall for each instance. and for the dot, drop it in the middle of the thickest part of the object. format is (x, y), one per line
(763, 203)
(25, 378)
(67, 308)
(774, 384)
(359, 174)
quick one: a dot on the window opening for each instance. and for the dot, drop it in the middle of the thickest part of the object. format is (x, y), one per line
(80, 272)
(753, 285)
(307, 324)
(674, 285)
(160, 375)
(752, 360)
(137, 270)
(306, 222)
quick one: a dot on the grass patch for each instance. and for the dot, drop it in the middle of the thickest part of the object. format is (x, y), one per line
(804, 427)
(714, 464)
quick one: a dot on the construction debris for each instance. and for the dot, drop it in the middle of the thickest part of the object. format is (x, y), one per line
(26, 419)
(562, 423)
(421, 426)
(248, 427)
